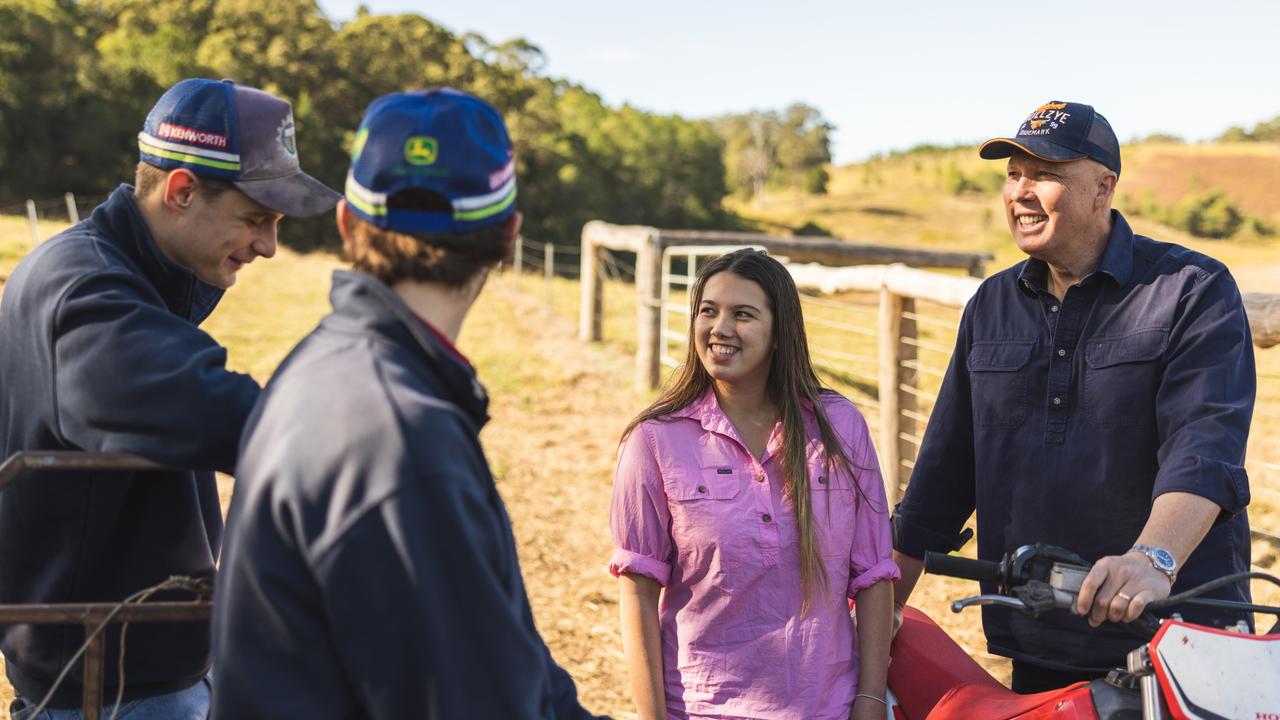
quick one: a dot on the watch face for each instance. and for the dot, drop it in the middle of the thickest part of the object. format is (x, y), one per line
(1164, 559)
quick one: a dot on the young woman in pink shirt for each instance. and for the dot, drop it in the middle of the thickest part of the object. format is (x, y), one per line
(747, 507)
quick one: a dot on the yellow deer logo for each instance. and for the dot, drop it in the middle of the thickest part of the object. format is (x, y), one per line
(1035, 124)
(1051, 106)
(420, 150)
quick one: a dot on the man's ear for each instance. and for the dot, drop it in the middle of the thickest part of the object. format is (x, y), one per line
(1106, 189)
(179, 189)
(346, 222)
(343, 217)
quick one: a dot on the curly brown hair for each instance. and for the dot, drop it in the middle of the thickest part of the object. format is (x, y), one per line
(450, 259)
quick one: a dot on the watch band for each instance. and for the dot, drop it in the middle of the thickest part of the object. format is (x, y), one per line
(1161, 559)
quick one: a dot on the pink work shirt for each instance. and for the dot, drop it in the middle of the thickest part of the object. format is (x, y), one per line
(693, 510)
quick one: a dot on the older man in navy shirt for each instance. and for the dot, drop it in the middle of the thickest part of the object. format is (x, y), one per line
(1099, 398)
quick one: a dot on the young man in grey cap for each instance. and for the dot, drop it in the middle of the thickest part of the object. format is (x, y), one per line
(370, 569)
(100, 351)
(1099, 399)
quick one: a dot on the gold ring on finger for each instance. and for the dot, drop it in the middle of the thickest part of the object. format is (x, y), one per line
(1127, 597)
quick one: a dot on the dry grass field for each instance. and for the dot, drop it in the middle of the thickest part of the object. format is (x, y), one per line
(558, 408)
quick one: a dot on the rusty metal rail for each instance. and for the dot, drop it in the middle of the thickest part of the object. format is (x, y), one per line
(19, 463)
(92, 616)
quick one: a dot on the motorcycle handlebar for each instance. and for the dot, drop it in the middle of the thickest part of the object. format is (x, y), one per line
(963, 567)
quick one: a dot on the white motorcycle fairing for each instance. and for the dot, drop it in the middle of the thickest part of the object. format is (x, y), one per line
(1206, 673)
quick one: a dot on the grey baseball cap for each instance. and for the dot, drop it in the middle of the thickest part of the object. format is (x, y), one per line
(233, 132)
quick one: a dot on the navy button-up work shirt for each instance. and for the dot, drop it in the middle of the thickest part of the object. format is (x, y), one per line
(1061, 421)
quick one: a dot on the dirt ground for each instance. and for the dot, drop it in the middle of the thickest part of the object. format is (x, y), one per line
(558, 408)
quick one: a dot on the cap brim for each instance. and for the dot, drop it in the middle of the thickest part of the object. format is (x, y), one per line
(998, 148)
(297, 195)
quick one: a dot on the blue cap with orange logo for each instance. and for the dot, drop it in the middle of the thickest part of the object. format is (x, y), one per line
(1061, 132)
(441, 140)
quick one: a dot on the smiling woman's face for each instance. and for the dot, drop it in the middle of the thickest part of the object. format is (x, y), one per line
(733, 330)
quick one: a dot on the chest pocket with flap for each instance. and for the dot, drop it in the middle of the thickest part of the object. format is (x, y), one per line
(1121, 377)
(998, 382)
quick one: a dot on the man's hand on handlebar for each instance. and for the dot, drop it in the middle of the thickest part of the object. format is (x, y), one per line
(1119, 588)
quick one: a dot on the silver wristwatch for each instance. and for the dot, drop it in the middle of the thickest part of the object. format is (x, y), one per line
(1161, 560)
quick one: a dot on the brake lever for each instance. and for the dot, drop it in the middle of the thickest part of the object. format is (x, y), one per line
(1001, 600)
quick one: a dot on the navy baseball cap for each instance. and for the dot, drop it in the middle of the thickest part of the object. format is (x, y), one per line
(219, 129)
(1060, 132)
(440, 140)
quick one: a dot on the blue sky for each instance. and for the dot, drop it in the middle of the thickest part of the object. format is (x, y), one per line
(890, 75)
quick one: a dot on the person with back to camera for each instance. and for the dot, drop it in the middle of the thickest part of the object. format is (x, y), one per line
(1099, 399)
(370, 568)
(748, 507)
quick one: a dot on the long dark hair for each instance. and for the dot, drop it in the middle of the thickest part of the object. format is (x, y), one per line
(791, 384)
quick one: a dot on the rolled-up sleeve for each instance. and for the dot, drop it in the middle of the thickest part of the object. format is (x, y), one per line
(638, 513)
(1206, 396)
(871, 558)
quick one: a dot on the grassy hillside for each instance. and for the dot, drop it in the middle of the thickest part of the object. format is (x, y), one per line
(914, 199)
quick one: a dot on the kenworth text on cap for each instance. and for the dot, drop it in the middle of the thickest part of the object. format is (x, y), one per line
(1060, 131)
(219, 129)
(441, 140)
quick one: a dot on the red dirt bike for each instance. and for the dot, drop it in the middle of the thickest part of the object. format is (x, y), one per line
(1185, 671)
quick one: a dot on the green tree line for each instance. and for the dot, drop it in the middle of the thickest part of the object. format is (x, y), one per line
(77, 78)
(1265, 131)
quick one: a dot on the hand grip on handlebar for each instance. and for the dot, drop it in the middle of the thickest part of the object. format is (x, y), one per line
(963, 567)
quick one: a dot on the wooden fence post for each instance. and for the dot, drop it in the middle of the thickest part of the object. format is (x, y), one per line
(890, 415)
(591, 303)
(517, 262)
(549, 270)
(1263, 310)
(908, 377)
(648, 312)
(35, 222)
(73, 213)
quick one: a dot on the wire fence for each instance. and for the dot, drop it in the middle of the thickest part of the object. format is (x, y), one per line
(555, 268)
(47, 217)
(842, 328)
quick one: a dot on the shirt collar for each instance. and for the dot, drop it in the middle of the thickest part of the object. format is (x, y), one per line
(362, 304)
(120, 221)
(1116, 260)
(447, 344)
(706, 410)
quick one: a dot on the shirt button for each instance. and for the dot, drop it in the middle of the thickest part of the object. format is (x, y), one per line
(1061, 352)
(766, 517)
(702, 488)
(1057, 401)
(822, 479)
(1053, 308)
(760, 477)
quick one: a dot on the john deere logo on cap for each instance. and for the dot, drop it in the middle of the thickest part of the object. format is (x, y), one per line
(420, 150)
